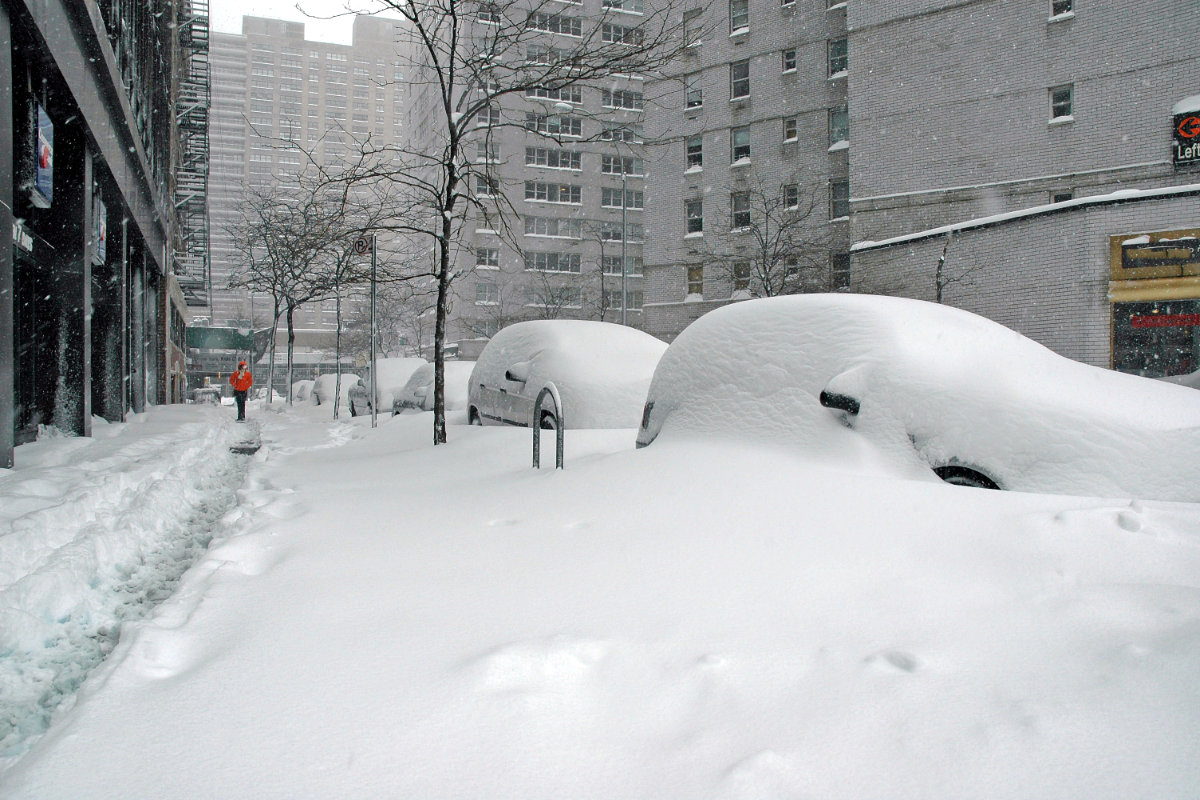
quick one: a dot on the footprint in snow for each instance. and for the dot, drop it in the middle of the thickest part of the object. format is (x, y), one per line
(893, 661)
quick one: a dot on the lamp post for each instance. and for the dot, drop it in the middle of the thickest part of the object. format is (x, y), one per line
(624, 238)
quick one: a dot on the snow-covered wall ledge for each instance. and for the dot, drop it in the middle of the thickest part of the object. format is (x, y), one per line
(1122, 196)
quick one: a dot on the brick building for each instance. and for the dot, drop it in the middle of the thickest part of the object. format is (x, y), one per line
(1031, 161)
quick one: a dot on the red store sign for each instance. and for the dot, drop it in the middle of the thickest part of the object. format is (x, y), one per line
(1165, 320)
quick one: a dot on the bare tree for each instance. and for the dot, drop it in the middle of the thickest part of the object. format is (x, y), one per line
(944, 277)
(771, 240)
(466, 58)
(402, 320)
(296, 236)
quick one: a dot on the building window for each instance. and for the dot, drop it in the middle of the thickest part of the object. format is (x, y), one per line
(554, 192)
(695, 152)
(612, 265)
(632, 6)
(739, 15)
(839, 199)
(490, 14)
(1061, 102)
(620, 132)
(554, 124)
(839, 268)
(487, 294)
(789, 60)
(693, 92)
(692, 27)
(611, 198)
(787, 3)
(694, 213)
(621, 98)
(791, 129)
(620, 34)
(695, 280)
(571, 228)
(611, 232)
(739, 79)
(839, 125)
(739, 144)
(552, 158)
(1062, 196)
(486, 151)
(486, 185)
(618, 165)
(552, 262)
(741, 276)
(838, 57)
(739, 210)
(488, 116)
(487, 257)
(1060, 7)
(556, 23)
(791, 195)
(567, 94)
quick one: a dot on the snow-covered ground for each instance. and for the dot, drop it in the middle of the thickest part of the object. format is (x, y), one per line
(377, 617)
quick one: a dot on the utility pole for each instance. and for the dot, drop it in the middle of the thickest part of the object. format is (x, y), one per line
(374, 382)
(624, 237)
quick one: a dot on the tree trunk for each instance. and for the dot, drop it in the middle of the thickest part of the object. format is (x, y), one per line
(291, 311)
(439, 335)
(337, 356)
(271, 366)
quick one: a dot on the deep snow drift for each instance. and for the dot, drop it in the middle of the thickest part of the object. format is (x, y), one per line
(698, 619)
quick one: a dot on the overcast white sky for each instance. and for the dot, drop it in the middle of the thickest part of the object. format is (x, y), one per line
(226, 16)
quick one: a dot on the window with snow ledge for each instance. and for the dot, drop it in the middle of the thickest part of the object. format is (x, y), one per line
(1062, 104)
(1061, 9)
(842, 145)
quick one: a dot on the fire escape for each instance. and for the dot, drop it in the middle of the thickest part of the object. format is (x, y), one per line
(191, 175)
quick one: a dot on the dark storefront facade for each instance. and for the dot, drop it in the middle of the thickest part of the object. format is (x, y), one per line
(1155, 289)
(88, 299)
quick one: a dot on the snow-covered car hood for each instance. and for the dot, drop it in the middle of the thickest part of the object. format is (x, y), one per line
(938, 386)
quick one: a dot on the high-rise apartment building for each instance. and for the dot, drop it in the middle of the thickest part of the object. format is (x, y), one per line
(748, 172)
(272, 86)
(563, 174)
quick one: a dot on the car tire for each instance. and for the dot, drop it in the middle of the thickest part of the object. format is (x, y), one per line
(549, 422)
(473, 417)
(965, 476)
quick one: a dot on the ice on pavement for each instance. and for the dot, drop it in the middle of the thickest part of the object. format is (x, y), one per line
(93, 533)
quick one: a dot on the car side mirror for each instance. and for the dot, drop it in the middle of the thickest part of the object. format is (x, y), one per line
(518, 372)
(840, 402)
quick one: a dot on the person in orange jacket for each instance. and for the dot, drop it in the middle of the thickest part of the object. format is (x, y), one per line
(241, 381)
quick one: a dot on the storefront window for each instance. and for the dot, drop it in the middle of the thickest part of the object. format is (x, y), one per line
(1157, 338)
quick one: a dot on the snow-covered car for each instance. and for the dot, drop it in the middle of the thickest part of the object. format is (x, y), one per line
(417, 393)
(896, 386)
(302, 391)
(325, 386)
(599, 370)
(207, 395)
(392, 375)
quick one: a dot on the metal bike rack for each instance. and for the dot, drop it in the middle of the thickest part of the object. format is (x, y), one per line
(550, 391)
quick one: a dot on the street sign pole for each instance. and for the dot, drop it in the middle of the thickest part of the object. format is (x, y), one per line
(374, 380)
(360, 247)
